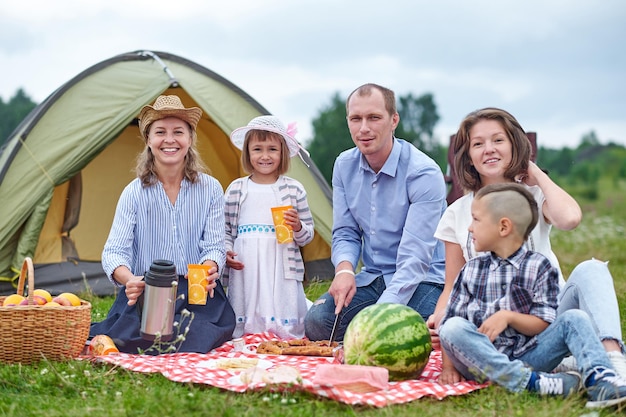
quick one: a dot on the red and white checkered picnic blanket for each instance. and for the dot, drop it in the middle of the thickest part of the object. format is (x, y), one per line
(195, 367)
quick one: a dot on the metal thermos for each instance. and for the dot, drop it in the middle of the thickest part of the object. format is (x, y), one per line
(159, 302)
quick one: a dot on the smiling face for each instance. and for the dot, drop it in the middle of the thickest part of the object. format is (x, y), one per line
(371, 126)
(265, 157)
(490, 151)
(169, 140)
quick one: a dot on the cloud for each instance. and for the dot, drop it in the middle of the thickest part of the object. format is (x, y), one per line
(556, 65)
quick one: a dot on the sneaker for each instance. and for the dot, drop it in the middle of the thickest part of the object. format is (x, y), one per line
(607, 389)
(567, 364)
(619, 363)
(561, 384)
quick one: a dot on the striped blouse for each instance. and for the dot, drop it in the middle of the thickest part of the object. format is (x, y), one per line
(147, 226)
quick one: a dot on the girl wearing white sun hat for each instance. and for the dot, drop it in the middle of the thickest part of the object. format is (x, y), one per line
(264, 277)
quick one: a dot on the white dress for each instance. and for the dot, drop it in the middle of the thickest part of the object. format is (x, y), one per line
(262, 298)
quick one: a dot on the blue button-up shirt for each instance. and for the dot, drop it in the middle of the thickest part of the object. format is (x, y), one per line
(390, 219)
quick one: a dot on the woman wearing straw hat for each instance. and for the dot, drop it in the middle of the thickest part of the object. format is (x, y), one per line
(173, 211)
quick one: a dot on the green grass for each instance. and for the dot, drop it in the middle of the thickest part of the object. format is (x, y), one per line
(79, 388)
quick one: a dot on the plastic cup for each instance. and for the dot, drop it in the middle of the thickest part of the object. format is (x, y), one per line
(284, 232)
(197, 275)
(239, 344)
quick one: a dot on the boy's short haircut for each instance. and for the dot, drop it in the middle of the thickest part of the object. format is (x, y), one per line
(513, 201)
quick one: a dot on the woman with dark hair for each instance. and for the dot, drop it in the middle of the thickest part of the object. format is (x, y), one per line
(491, 147)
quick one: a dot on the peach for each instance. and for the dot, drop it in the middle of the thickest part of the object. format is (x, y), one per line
(13, 300)
(52, 304)
(43, 293)
(62, 301)
(72, 298)
(39, 300)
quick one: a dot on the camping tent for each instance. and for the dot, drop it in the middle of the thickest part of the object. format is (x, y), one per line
(64, 167)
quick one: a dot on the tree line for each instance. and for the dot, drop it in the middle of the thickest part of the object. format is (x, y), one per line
(13, 112)
(582, 166)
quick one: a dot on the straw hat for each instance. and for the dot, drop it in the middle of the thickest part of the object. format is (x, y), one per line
(167, 106)
(270, 124)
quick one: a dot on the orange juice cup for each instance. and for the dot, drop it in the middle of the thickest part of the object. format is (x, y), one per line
(197, 276)
(284, 232)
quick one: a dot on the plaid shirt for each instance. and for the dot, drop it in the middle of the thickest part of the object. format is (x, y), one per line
(525, 283)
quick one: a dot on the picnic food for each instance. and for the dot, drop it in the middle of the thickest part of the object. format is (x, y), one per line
(282, 374)
(43, 293)
(72, 298)
(62, 301)
(102, 345)
(392, 336)
(42, 298)
(236, 363)
(300, 347)
(13, 300)
(353, 378)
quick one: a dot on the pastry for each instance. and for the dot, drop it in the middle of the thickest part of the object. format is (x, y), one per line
(300, 347)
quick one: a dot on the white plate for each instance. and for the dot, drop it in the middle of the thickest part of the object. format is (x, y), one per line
(214, 364)
(234, 380)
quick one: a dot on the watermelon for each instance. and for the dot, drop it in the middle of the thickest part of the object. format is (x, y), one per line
(392, 336)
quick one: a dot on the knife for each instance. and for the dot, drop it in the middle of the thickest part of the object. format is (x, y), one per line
(332, 333)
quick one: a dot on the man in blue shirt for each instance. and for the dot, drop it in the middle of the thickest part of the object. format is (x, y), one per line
(388, 197)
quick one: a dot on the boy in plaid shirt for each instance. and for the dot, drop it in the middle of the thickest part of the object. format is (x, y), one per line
(501, 324)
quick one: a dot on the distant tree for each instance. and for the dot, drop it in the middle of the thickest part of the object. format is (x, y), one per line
(589, 140)
(330, 136)
(418, 117)
(555, 161)
(13, 112)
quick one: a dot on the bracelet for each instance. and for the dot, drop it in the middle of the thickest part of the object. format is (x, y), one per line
(347, 271)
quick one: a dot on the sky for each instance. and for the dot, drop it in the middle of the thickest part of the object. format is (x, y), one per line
(559, 66)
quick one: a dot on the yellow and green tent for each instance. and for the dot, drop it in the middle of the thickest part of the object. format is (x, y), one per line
(64, 167)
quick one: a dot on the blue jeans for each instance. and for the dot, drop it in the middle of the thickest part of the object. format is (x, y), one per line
(476, 358)
(319, 320)
(590, 288)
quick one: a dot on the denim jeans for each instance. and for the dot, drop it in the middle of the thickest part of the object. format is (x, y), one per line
(476, 358)
(319, 320)
(590, 288)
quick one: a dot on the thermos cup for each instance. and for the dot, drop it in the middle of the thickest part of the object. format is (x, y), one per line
(159, 302)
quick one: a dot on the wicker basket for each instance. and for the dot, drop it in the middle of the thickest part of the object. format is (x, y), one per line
(30, 333)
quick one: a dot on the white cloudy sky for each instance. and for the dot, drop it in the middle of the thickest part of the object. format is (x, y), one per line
(558, 65)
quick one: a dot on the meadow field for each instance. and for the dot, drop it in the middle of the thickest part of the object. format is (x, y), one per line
(80, 388)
